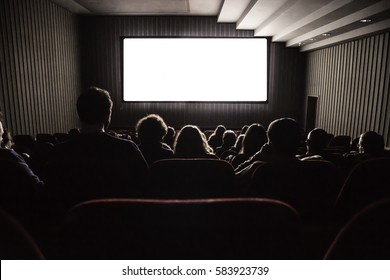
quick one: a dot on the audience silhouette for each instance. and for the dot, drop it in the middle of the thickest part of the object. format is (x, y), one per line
(238, 145)
(90, 163)
(169, 138)
(20, 187)
(8, 155)
(316, 143)
(215, 139)
(371, 144)
(254, 139)
(228, 140)
(191, 143)
(95, 164)
(283, 140)
(7, 141)
(150, 132)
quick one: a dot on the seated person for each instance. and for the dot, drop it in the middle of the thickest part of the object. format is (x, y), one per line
(7, 142)
(20, 187)
(283, 140)
(316, 143)
(94, 164)
(215, 139)
(254, 139)
(9, 155)
(228, 141)
(370, 145)
(169, 138)
(191, 143)
(240, 138)
(238, 145)
(150, 132)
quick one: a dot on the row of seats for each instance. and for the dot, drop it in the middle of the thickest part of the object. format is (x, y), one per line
(313, 187)
(309, 188)
(195, 229)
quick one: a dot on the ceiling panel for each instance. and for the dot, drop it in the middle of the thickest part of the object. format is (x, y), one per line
(309, 24)
(135, 6)
(232, 10)
(257, 12)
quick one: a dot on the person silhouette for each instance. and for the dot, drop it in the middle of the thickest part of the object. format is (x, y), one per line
(215, 139)
(20, 187)
(284, 136)
(254, 139)
(228, 140)
(95, 164)
(150, 132)
(316, 143)
(190, 142)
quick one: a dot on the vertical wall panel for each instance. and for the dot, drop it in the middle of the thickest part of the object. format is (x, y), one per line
(39, 67)
(101, 62)
(353, 86)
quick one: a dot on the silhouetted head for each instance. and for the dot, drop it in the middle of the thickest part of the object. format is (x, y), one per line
(170, 132)
(7, 141)
(191, 142)
(220, 129)
(238, 144)
(244, 129)
(151, 128)
(254, 139)
(229, 138)
(284, 135)
(371, 142)
(94, 107)
(73, 132)
(317, 140)
(169, 138)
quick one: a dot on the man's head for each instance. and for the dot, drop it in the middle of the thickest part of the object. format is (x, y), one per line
(317, 140)
(94, 107)
(229, 138)
(371, 142)
(284, 134)
(220, 129)
(151, 128)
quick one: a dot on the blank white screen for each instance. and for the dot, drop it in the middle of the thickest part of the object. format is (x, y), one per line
(195, 69)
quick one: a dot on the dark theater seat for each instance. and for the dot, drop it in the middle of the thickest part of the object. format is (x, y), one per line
(366, 236)
(180, 229)
(191, 178)
(311, 187)
(15, 242)
(367, 182)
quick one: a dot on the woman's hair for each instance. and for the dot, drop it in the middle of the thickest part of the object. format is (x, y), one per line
(191, 142)
(219, 130)
(255, 137)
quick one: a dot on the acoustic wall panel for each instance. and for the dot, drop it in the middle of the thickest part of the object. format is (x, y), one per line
(101, 66)
(40, 77)
(351, 81)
